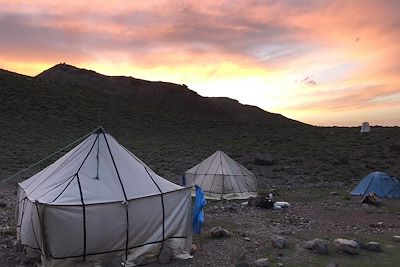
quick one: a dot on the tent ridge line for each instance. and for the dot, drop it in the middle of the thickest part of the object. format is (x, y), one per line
(223, 154)
(115, 167)
(215, 155)
(125, 197)
(65, 188)
(53, 172)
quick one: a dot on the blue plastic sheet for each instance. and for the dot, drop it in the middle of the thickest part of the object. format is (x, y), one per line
(198, 214)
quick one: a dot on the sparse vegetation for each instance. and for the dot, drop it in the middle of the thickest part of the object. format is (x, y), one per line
(39, 116)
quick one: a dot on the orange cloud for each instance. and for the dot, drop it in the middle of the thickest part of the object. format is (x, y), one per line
(251, 50)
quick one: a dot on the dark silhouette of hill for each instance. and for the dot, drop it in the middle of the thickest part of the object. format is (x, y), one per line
(40, 115)
(167, 96)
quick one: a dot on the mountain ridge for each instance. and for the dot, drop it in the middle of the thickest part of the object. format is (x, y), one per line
(164, 95)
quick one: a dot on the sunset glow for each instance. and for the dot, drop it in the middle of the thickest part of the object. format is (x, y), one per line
(320, 62)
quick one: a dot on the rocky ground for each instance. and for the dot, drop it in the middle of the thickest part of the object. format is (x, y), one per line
(325, 213)
(310, 164)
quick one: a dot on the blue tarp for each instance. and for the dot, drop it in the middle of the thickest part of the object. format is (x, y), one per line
(380, 183)
(198, 214)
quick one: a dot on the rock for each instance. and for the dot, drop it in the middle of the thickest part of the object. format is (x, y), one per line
(193, 249)
(396, 238)
(317, 245)
(241, 261)
(347, 246)
(280, 264)
(3, 205)
(246, 238)
(263, 262)
(219, 232)
(278, 241)
(166, 255)
(380, 224)
(373, 246)
(333, 264)
(360, 243)
(263, 159)
(243, 234)
(334, 193)
(256, 243)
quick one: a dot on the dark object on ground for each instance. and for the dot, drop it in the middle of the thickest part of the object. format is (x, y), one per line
(219, 232)
(371, 199)
(317, 245)
(373, 246)
(166, 255)
(266, 203)
(347, 246)
(263, 159)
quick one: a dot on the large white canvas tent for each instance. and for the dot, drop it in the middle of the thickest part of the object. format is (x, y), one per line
(100, 201)
(221, 177)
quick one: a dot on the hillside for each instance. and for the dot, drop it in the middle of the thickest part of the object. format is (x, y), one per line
(39, 116)
(167, 96)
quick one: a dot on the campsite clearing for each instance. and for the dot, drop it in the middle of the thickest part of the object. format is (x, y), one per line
(314, 214)
(309, 163)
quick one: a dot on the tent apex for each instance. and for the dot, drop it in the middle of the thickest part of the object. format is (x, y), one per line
(99, 130)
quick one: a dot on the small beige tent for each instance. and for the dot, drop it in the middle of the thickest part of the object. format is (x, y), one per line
(99, 201)
(221, 177)
(365, 127)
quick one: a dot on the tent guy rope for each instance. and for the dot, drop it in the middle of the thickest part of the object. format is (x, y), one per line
(49, 156)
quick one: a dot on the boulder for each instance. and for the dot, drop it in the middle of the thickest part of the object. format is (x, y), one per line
(219, 232)
(263, 262)
(278, 241)
(317, 245)
(396, 238)
(166, 255)
(263, 159)
(347, 246)
(373, 246)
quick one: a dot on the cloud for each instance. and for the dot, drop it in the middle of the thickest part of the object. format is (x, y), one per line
(350, 47)
(307, 81)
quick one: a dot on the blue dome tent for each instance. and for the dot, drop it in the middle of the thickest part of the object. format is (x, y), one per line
(380, 183)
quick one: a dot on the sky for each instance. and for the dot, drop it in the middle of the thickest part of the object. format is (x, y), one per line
(323, 62)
